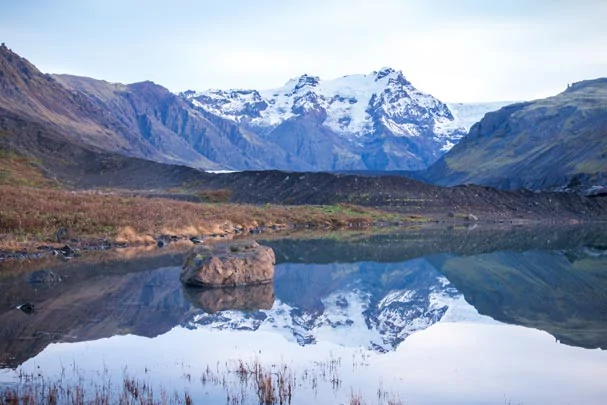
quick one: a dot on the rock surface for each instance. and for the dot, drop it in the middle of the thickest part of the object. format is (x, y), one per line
(228, 265)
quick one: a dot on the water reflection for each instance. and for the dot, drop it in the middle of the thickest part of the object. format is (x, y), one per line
(563, 292)
(249, 298)
(92, 301)
(363, 304)
(373, 292)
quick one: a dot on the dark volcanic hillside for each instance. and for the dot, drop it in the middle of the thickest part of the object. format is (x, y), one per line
(29, 97)
(560, 141)
(46, 154)
(403, 194)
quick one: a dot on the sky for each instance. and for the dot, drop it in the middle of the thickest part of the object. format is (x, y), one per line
(464, 50)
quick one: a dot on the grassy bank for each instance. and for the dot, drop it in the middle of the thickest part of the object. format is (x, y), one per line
(31, 216)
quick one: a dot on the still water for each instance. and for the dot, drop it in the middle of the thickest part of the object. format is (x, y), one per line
(453, 316)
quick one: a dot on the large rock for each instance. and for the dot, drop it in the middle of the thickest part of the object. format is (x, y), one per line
(228, 265)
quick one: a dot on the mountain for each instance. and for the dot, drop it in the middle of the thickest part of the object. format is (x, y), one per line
(557, 142)
(359, 122)
(184, 134)
(27, 96)
(142, 120)
(378, 121)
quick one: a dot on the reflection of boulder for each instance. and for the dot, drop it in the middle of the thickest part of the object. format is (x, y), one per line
(247, 298)
(228, 265)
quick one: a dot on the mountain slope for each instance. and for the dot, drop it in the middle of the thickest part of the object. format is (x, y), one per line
(560, 141)
(182, 133)
(27, 95)
(141, 120)
(378, 121)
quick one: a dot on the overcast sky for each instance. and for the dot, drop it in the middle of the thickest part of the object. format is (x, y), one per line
(465, 50)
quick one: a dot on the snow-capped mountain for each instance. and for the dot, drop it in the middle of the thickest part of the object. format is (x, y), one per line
(375, 121)
(349, 103)
(357, 313)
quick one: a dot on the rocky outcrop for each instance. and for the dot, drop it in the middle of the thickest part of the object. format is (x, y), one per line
(247, 298)
(229, 265)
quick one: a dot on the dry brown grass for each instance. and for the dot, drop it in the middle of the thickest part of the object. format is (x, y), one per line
(215, 196)
(34, 216)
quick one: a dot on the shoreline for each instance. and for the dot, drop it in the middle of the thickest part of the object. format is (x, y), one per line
(77, 248)
(36, 222)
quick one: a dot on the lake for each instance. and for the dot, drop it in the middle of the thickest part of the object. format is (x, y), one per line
(422, 316)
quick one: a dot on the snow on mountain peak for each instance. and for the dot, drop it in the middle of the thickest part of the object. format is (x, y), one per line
(352, 106)
(305, 83)
(349, 103)
(383, 72)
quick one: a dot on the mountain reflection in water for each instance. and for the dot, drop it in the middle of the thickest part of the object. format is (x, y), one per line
(372, 292)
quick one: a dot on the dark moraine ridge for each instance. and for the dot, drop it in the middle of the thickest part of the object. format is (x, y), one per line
(77, 167)
(404, 195)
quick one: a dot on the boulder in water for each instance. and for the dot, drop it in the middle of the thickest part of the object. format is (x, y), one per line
(229, 265)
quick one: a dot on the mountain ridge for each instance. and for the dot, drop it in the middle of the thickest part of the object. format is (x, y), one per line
(377, 121)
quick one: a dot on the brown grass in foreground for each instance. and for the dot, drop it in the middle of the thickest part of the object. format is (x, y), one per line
(35, 215)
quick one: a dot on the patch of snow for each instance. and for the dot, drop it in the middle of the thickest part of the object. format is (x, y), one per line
(222, 171)
(447, 146)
